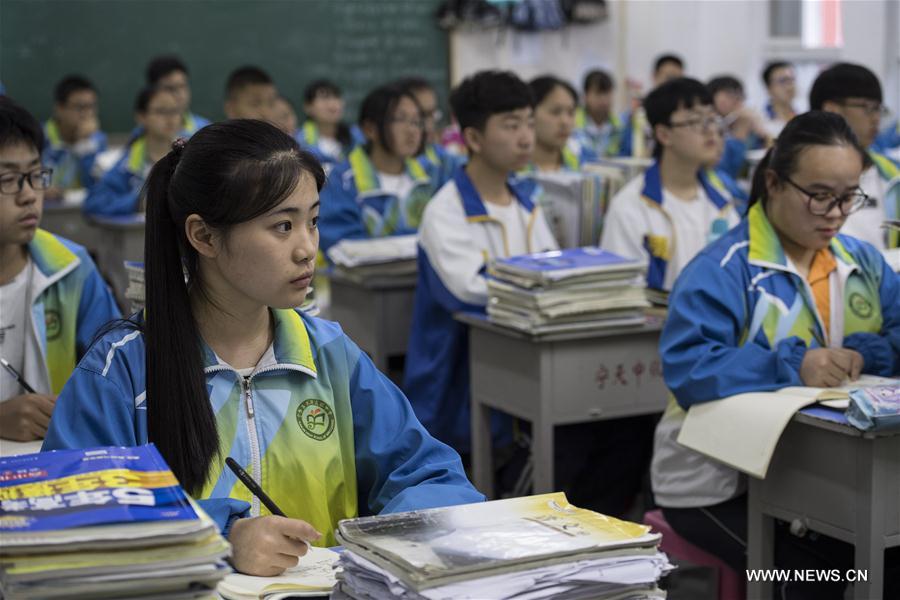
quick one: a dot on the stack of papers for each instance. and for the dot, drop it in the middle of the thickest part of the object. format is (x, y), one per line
(525, 548)
(103, 523)
(376, 257)
(576, 289)
(573, 204)
(313, 576)
(135, 292)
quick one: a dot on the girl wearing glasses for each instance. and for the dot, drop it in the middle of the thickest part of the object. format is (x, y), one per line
(781, 300)
(159, 117)
(52, 299)
(381, 189)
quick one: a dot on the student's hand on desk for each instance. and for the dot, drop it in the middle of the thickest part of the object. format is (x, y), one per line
(25, 418)
(830, 367)
(266, 546)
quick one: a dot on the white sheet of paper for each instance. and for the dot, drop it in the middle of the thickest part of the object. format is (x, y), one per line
(314, 571)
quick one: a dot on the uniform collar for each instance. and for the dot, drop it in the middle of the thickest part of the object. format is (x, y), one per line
(291, 347)
(50, 255)
(765, 249)
(136, 156)
(653, 189)
(471, 199)
(365, 176)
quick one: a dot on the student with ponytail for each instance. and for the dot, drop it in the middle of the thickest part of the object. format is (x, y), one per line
(745, 316)
(220, 363)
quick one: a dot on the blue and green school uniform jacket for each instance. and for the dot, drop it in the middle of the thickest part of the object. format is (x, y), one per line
(308, 138)
(574, 156)
(72, 165)
(741, 319)
(603, 141)
(888, 139)
(457, 239)
(70, 304)
(326, 435)
(192, 124)
(637, 222)
(355, 207)
(889, 170)
(441, 163)
(118, 193)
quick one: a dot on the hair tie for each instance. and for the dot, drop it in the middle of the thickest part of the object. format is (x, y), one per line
(178, 147)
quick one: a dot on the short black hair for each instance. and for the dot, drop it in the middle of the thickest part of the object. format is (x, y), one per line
(842, 81)
(415, 84)
(599, 80)
(320, 85)
(161, 66)
(725, 83)
(143, 98)
(18, 126)
(674, 94)
(246, 76)
(667, 58)
(378, 108)
(488, 93)
(771, 68)
(70, 84)
(543, 85)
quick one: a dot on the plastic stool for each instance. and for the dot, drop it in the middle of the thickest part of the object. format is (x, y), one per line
(731, 585)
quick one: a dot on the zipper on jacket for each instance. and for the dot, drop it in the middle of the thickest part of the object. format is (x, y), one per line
(255, 460)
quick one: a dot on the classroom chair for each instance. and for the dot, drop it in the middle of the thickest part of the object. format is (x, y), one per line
(730, 585)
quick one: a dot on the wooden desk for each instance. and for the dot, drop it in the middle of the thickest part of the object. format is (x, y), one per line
(118, 239)
(833, 479)
(376, 314)
(557, 379)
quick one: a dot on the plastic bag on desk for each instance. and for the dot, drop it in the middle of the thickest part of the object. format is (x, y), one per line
(875, 408)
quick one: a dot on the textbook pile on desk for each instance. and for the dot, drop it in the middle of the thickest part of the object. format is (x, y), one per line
(576, 289)
(525, 548)
(389, 256)
(103, 523)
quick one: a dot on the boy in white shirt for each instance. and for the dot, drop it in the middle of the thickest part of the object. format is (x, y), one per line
(669, 213)
(854, 92)
(482, 213)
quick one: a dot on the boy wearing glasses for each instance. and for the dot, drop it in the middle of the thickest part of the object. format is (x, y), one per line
(52, 299)
(781, 84)
(672, 211)
(170, 73)
(72, 136)
(854, 92)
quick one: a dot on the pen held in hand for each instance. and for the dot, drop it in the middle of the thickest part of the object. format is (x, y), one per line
(17, 376)
(253, 486)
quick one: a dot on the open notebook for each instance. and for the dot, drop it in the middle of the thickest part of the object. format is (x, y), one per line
(313, 576)
(743, 430)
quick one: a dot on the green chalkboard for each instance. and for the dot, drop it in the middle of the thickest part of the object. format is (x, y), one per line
(357, 43)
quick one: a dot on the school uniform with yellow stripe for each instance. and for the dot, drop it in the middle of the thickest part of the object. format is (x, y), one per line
(324, 432)
(741, 319)
(70, 302)
(603, 140)
(118, 192)
(638, 223)
(354, 206)
(73, 165)
(457, 239)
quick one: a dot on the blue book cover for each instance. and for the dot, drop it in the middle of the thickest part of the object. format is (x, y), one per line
(65, 489)
(570, 262)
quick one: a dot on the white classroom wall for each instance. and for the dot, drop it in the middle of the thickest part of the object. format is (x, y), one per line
(713, 36)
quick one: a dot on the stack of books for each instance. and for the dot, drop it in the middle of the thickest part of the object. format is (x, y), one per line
(103, 523)
(526, 548)
(577, 289)
(384, 257)
(135, 292)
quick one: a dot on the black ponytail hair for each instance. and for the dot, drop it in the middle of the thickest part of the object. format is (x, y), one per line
(228, 173)
(378, 108)
(814, 128)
